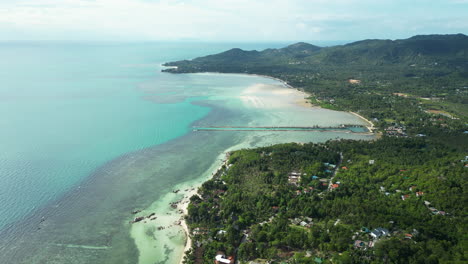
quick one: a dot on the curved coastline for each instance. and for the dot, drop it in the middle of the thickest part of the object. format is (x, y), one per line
(87, 218)
(305, 103)
(371, 126)
(184, 203)
(94, 216)
(152, 242)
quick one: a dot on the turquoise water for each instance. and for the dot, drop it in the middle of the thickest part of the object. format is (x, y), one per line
(92, 131)
(66, 109)
(351, 129)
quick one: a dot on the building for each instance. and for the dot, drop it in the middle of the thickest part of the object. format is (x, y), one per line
(294, 177)
(304, 224)
(221, 259)
(360, 244)
(379, 232)
(354, 81)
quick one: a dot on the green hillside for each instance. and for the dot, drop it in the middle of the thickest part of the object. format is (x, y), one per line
(412, 82)
(399, 199)
(255, 210)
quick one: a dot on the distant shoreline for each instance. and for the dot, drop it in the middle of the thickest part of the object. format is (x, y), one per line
(184, 203)
(371, 128)
(305, 103)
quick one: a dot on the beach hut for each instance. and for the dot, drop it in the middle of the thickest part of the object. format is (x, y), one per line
(222, 259)
(378, 232)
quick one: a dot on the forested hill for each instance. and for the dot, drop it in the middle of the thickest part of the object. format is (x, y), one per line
(325, 203)
(238, 58)
(449, 50)
(427, 66)
(399, 199)
(409, 82)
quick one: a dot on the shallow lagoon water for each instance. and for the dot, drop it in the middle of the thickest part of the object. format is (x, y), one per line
(121, 139)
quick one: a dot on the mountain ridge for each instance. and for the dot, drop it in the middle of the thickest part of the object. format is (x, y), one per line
(423, 66)
(400, 50)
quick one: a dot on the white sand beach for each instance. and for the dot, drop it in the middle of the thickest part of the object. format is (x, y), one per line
(272, 105)
(273, 96)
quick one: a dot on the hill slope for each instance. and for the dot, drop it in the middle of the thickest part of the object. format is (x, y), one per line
(427, 66)
(411, 183)
(448, 49)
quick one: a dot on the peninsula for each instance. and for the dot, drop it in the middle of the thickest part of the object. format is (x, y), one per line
(399, 199)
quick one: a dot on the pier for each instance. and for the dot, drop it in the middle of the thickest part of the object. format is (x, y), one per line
(350, 128)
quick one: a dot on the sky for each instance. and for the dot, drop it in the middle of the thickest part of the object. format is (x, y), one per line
(229, 20)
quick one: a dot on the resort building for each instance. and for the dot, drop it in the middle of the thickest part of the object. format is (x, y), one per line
(378, 232)
(220, 259)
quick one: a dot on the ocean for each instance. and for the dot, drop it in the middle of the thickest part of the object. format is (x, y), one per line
(93, 131)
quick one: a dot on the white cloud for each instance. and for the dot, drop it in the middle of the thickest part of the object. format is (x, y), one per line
(196, 19)
(166, 19)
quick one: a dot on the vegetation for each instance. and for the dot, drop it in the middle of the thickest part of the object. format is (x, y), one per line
(399, 199)
(252, 210)
(372, 77)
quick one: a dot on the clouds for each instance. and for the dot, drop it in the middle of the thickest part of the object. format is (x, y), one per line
(226, 20)
(459, 1)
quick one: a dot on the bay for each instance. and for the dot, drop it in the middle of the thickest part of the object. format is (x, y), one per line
(92, 131)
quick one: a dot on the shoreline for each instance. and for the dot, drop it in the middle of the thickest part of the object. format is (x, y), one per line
(169, 212)
(184, 203)
(193, 187)
(305, 103)
(371, 128)
(183, 207)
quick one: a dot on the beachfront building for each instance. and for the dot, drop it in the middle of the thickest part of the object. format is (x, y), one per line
(360, 244)
(221, 259)
(378, 232)
(294, 178)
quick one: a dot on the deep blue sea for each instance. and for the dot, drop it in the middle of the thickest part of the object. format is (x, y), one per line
(91, 131)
